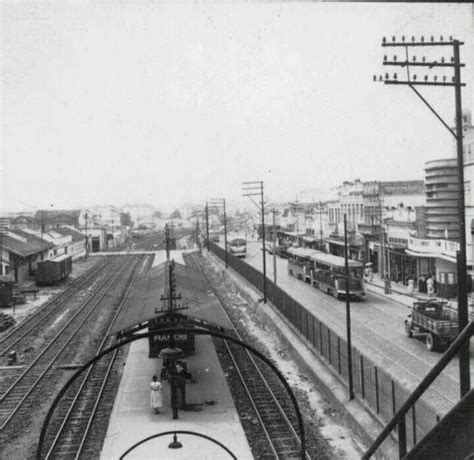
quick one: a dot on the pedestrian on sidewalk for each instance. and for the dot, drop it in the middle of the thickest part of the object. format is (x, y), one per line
(156, 396)
(411, 286)
(430, 286)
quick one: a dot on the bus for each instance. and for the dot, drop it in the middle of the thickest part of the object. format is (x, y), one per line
(238, 247)
(328, 274)
(299, 263)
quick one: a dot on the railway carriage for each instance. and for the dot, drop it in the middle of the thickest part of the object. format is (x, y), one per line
(53, 271)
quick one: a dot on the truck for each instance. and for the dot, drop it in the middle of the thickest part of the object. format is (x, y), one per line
(431, 320)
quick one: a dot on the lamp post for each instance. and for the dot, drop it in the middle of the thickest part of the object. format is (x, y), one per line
(252, 189)
(412, 81)
(207, 226)
(220, 203)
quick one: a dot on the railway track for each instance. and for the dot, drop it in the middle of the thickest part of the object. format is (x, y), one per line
(264, 395)
(33, 322)
(71, 434)
(19, 396)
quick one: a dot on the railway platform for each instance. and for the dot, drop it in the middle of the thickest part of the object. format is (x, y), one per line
(212, 410)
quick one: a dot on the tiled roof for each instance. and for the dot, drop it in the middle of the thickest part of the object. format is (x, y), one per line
(76, 235)
(54, 214)
(33, 245)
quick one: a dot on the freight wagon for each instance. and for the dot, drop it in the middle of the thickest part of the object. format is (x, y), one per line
(53, 271)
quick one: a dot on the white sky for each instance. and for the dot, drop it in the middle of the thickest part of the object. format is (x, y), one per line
(163, 102)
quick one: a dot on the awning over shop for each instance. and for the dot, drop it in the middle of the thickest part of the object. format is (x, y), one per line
(309, 239)
(292, 234)
(427, 255)
(143, 303)
(354, 242)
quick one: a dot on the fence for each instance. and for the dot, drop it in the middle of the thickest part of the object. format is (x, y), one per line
(383, 394)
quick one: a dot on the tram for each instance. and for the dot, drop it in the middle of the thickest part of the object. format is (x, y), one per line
(238, 247)
(299, 263)
(328, 273)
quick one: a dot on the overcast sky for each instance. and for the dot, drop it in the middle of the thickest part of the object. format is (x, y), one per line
(163, 102)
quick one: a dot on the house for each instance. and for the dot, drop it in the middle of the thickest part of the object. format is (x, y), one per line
(48, 219)
(77, 246)
(21, 253)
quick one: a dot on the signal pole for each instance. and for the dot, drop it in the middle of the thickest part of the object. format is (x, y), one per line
(256, 189)
(167, 242)
(411, 81)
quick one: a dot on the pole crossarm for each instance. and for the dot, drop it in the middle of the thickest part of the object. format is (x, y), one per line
(422, 64)
(439, 43)
(420, 83)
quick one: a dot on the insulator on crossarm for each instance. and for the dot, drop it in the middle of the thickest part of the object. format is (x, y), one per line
(441, 38)
(380, 78)
(452, 58)
(442, 60)
(414, 58)
(422, 39)
(452, 79)
(450, 38)
(395, 76)
(414, 77)
(375, 77)
(384, 40)
(394, 58)
(385, 58)
(393, 38)
(423, 59)
(426, 77)
(403, 38)
(444, 77)
(432, 38)
(386, 76)
(412, 38)
(436, 78)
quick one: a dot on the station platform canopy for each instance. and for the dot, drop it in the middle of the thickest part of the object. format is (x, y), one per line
(143, 305)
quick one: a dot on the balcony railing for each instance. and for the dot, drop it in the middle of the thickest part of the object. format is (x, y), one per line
(433, 247)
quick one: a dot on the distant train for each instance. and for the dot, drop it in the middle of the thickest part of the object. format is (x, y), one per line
(53, 271)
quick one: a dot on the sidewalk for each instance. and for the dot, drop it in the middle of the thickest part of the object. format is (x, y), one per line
(399, 293)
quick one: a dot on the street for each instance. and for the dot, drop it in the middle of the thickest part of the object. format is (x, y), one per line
(377, 331)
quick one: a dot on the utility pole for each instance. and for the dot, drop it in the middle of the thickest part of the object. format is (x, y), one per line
(220, 203)
(207, 226)
(455, 81)
(384, 247)
(348, 313)
(274, 248)
(87, 238)
(320, 226)
(167, 241)
(252, 189)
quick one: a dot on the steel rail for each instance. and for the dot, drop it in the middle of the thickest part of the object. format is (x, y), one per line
(114, 275)
(255, 366)
(72, 405)
(56, 302)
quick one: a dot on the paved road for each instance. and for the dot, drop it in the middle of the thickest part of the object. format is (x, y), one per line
(377, 331)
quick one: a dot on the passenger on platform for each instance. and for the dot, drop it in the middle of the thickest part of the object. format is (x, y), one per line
(156, 396)
(182, 369)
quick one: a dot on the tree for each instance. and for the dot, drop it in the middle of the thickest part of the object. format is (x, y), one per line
(125, 219)
(175, 214)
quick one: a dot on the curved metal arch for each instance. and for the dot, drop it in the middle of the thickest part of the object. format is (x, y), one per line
(194, 433)
(177, 330)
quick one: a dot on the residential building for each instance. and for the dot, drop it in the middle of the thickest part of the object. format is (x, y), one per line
(77, 245)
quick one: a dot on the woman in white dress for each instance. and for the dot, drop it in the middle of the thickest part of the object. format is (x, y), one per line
(156, 397)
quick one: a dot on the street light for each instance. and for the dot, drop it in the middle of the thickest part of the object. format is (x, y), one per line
(252, 189)
(455, 81)
(218, 203)
(348, 313)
